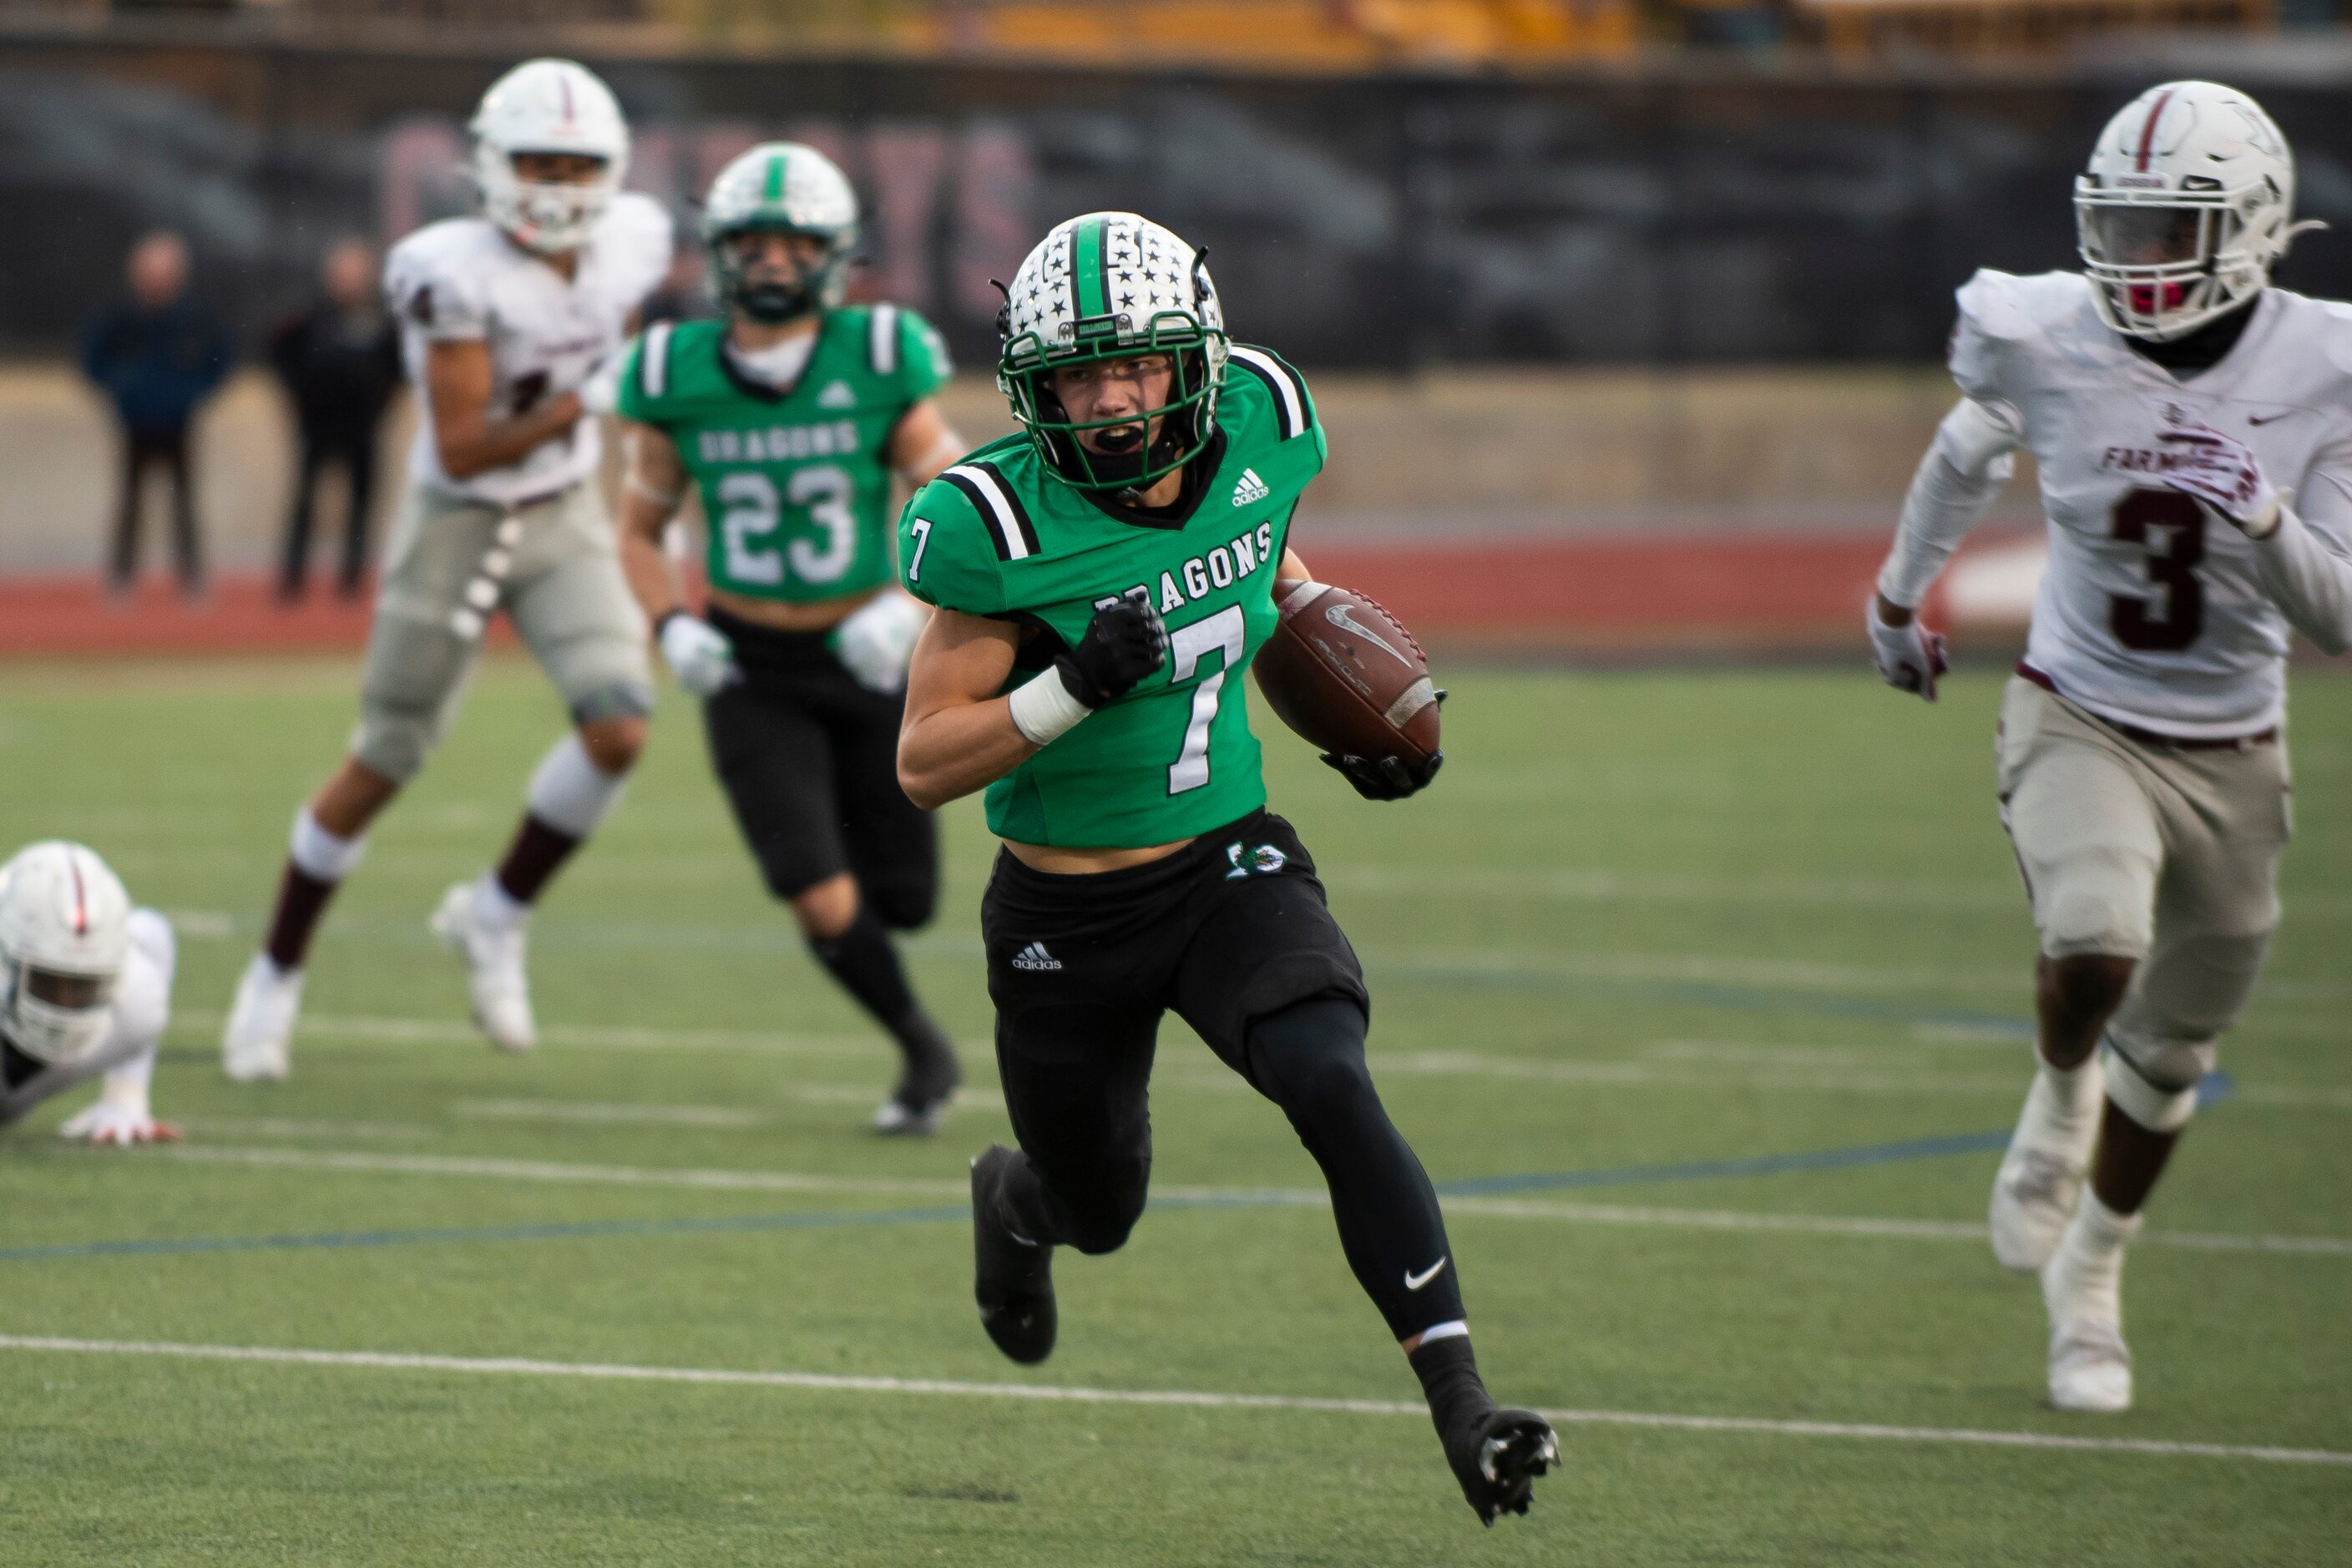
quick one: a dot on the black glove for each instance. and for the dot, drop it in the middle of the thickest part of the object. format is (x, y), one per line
(1124, 643)
(1385, 778)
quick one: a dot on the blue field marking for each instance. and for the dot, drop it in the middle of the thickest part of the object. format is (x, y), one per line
(2215, 1088)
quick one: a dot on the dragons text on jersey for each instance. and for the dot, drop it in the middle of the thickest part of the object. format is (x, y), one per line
(794, 482)
(1000, 535)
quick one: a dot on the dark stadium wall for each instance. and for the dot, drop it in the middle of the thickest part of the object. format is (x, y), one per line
(1702, 216)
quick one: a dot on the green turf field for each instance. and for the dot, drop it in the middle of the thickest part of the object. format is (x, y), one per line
(1646, 927)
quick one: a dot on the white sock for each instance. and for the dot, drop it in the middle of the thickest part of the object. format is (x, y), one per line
(571, 794)
(2091, 1252)
(2070, 1097)
(319, 854)
(495, 907)
(1455, 1330)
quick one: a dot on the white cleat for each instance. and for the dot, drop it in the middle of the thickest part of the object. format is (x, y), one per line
(2090, 1370)
(2040, 1181)
(493, 951)
(2082, 1286)
(261, 1022)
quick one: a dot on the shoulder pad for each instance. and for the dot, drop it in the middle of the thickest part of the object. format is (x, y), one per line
(996, 501)
(433, 279)
(2002, 305)
(1294, 411)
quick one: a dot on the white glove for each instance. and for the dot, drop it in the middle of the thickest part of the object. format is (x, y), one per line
(1909, 657)
(120, 1120)
(699, 653)
(876, 642)
(602, 390)
(2221, 471)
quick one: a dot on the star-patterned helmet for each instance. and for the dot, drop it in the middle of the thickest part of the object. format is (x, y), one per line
(1111, 286)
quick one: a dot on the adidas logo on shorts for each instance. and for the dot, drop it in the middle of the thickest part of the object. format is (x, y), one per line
(1250, 488)
(1035, 956)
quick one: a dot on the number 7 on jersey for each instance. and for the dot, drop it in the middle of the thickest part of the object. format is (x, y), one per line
(1190, 644)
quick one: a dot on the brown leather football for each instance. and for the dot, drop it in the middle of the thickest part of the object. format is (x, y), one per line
(1347, 676)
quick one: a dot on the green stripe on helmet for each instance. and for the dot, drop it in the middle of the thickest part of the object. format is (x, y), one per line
(775, 191)
(1086, 268)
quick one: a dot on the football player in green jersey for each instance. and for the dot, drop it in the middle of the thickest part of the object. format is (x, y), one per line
(1102, 579)
(790, 418)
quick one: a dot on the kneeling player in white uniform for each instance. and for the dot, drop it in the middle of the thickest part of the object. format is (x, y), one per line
(85, 990)
(513, 323)
(2193, 429)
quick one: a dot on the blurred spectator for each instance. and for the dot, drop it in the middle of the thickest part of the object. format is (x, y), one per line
(340, 359)
(157, 354)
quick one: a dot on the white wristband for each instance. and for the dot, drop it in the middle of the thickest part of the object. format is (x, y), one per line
(1044, 710)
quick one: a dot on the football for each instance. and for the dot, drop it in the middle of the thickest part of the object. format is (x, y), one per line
(1347, 676)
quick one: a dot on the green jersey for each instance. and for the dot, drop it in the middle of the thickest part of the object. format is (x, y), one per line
(795, 484)
(1000, 535)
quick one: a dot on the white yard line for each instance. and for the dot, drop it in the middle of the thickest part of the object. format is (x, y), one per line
(365, 1163)
(598, 1113)
(362, 1162)
(834, 1382)
(587, 1037)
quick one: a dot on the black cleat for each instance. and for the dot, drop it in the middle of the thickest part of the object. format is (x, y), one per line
(1497, 1455)
(926, 1085)
(1012, 1277)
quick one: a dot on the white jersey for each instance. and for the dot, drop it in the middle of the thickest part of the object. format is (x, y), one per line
(143, 1006)
(2151, 613)
(462, 280)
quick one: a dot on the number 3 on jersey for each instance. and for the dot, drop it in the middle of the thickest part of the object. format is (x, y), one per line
(1224, 630)
(754, 512)
(2170, 528)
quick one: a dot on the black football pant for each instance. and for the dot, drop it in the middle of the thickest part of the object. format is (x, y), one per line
(809, 759)
(354, 453)
(1232, 933)
(166, 449)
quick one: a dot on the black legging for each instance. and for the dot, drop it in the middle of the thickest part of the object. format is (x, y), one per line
(355, 455)
(143, 450)
(1309, 1059)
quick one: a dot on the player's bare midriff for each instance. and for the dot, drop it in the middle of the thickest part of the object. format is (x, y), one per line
(1057, 860)
(778, 615)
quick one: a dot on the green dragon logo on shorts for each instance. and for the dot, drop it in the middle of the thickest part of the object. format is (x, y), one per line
(1264, 860)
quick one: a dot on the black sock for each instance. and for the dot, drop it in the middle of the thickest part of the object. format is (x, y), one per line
(866, 962)
(1449, 1377)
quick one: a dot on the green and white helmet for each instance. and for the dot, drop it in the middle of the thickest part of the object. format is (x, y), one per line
(794, 189)
(1109, 286)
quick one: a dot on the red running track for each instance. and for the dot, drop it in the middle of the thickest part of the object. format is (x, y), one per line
(1788, 590)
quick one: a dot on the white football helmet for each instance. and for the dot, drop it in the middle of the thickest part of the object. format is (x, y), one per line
(65, 935)
(2186, 207)
(1106, 286)
(548, 106)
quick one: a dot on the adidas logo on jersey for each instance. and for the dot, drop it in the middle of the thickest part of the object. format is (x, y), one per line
(836, 395)
(1035, 956)
(1250, 489)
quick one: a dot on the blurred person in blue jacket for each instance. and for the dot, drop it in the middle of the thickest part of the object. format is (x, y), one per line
(158, 353)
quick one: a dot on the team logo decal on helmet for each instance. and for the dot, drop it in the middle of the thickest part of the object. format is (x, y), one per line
(780, 187)
(65, 935)
(1104, 287)
(551, 107)
(2185, 205)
